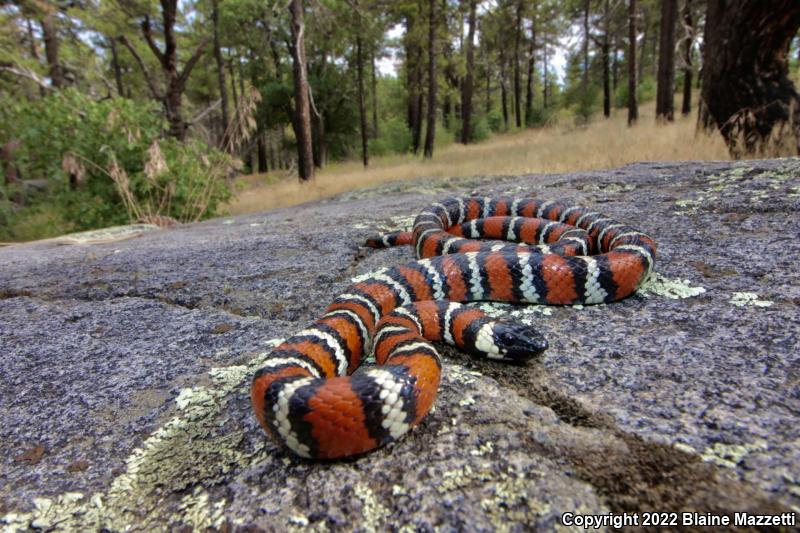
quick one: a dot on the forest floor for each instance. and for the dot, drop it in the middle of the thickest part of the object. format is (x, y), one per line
(560, 148)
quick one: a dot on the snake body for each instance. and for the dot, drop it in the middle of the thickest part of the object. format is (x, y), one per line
(313, 395)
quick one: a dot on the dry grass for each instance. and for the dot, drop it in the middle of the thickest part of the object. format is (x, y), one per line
(603, 144)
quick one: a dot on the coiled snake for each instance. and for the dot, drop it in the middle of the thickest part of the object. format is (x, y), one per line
(313, 396)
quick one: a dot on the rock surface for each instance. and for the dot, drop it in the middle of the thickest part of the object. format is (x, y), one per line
(126, 367)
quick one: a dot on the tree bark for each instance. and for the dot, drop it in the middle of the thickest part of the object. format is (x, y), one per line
(305, 156)
(686, 106)
(468, 85)
(605, 50)
(517, 80)
(319, 146)
(645, 34)
(223, 86)
(374, 92)
(51, 48)
(585, 77)
(414, 81)
(615, 65)
(487, 75)
(746, 88)
(261, 152)
(362, 112)
(531, 74)
(168, 59)
(116, 67)
(431, 131)
(233, 85)
(503, 87)
(665, 93)
(544, 74)
(633, 105)
(447, 108)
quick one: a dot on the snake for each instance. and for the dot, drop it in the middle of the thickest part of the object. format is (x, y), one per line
(314, 396)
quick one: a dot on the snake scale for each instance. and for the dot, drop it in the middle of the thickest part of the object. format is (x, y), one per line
(314, 397)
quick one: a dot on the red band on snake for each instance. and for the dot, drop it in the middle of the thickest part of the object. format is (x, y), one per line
(314, 396)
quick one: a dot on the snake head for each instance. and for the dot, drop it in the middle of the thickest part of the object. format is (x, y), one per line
(516, 342)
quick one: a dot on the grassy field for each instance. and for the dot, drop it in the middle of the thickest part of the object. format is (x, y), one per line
(562, 148)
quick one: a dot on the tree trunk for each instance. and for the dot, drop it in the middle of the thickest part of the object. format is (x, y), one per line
(415, 104)
(116, 68)
(686, 107)
(362, 111)
(746, 87)
(503, 87)
(531, 74)
(645, 35)
(32, 40)
(414, 75)
(447, 109)
(305, 155)
(606, 61)
(469, 80)
(374, 93)
(51, 48)
(633, 105)
(410, 73)
(665, 93)
(223, 86)
(489, 70)
(233, 85)
(585, 77)
(261, 152)
(168, 59)
(431, 132)
(318, 144)
(544, 74)
(615, 66)
(517, 80)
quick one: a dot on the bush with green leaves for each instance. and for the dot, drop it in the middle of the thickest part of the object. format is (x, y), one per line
(645, 92)
(495, 121)
(394, 137)
(107, 162)
(480, 129)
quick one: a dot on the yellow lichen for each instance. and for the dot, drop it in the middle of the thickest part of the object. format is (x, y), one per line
(483, 449)
(190, 451)
(669, 288)
(373, 514)
(466, 402)
(730, 455)
(748, 299)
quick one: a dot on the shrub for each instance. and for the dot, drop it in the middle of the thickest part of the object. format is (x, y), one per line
(393, 137)
(495, 121)
(107, 162)
(480, 129)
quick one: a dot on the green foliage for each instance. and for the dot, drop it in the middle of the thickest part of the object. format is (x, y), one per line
(443, 136)
(646, 92)
(92, 151)
(394, 137)
(495, 120)
(541, 116)
(647, 89)
(480, 129)
(587, 103)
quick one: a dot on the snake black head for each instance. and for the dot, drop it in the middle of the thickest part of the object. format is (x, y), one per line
(517, 342)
